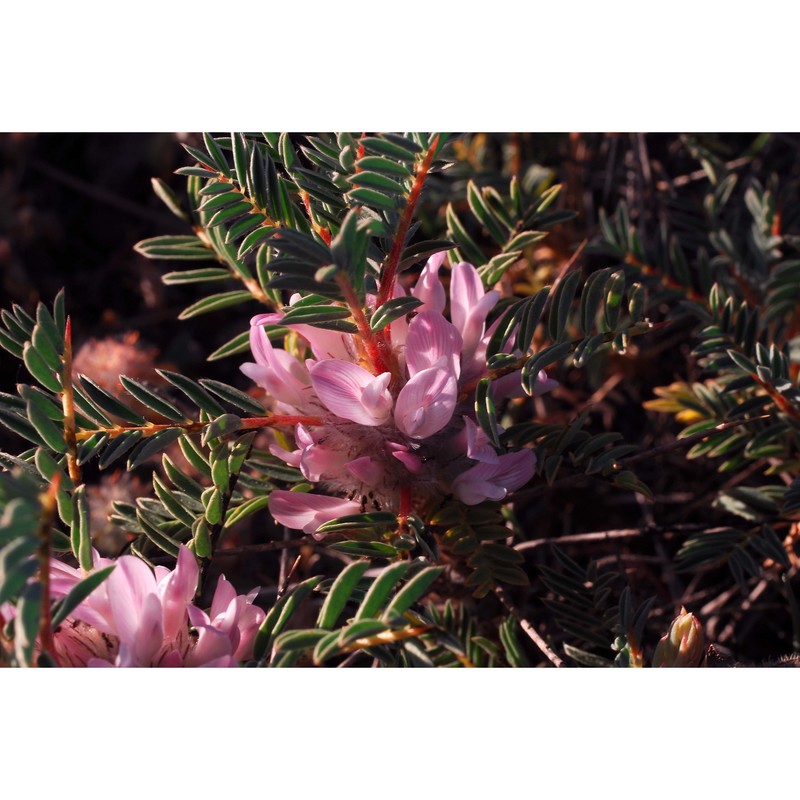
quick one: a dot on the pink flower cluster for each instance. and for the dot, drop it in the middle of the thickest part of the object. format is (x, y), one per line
(378, 435)
(143, 618)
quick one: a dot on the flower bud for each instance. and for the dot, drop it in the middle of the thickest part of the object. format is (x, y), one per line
(684, 644)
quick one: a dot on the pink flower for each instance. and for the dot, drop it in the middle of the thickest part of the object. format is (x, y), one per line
(493, 481)
(140, 617)
(307, 512)
(385, 434)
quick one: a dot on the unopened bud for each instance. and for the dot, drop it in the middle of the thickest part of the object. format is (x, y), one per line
(684, 644)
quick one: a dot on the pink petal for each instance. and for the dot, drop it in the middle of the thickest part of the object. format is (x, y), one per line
(426, 403)
(494, 481)
(128, 586)
(249, 623)
(350, 392)
(429, 288)
(412, 462)
(466, 290)
(317, 461)
(213, 649)
(365, 469)
(150, 632)
(224, 595)
(275, 370)
(479, 447)
(291, 458)
(307, 512)
(177, 591)
(469, 306)
(430, 338)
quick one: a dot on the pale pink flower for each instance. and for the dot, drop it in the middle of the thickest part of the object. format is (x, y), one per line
(493, 481)
(140, 617)
(410, 432)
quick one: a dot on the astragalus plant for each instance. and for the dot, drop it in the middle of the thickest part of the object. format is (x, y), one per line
(387, 427)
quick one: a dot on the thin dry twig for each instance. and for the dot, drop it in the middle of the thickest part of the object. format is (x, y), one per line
(526, 626)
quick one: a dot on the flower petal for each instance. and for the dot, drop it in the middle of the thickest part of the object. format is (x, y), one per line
(430, 338)
(128, 586)
(365, 469)
(487, 481)
(429, 288)
(350, 392)
(426, 403)
(479, 448)
(177, 591)
(307, 512)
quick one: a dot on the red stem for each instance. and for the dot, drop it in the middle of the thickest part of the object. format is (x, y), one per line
(280, 419)
(390, 270)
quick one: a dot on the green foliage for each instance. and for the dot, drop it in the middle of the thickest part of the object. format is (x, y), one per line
(374, 616)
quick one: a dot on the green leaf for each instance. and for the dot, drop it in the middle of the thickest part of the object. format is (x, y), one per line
(340, 592)
(17, 565)
(392, 310)
(529, 314)
(485, 411)
(244, 510)
(118, 447)
(51, 435)
(375, 180)
(380, 589)
(152, 445)
(108, 403)
(233, 396)
(224, 425)
(196, 393)
(373, 199)
(372, 519)
(150, 399)
(614, 288)
(403, 150)
(238, 344)
(195, 276)
(385, 165)
(485, 215)
(175, 248)
(360, 630)
(279, 615)
(562, 300)
(26, 622)
(168, 197)
(299, 640)
(539, 361)
(215, 302)
(368, 549)
(80, 534)
(38, 367)
(412, 591)
(171, 503)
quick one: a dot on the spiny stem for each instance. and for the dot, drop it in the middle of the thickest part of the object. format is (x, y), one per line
(389, 273)
(249, 423)
(324, 233)
(375, 354)
(46, 523)
(277, 420)
(68, 406)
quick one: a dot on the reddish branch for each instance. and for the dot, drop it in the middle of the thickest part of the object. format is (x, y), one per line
(389, 273)
(375, 353)
(68, 407)
(48, 511)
